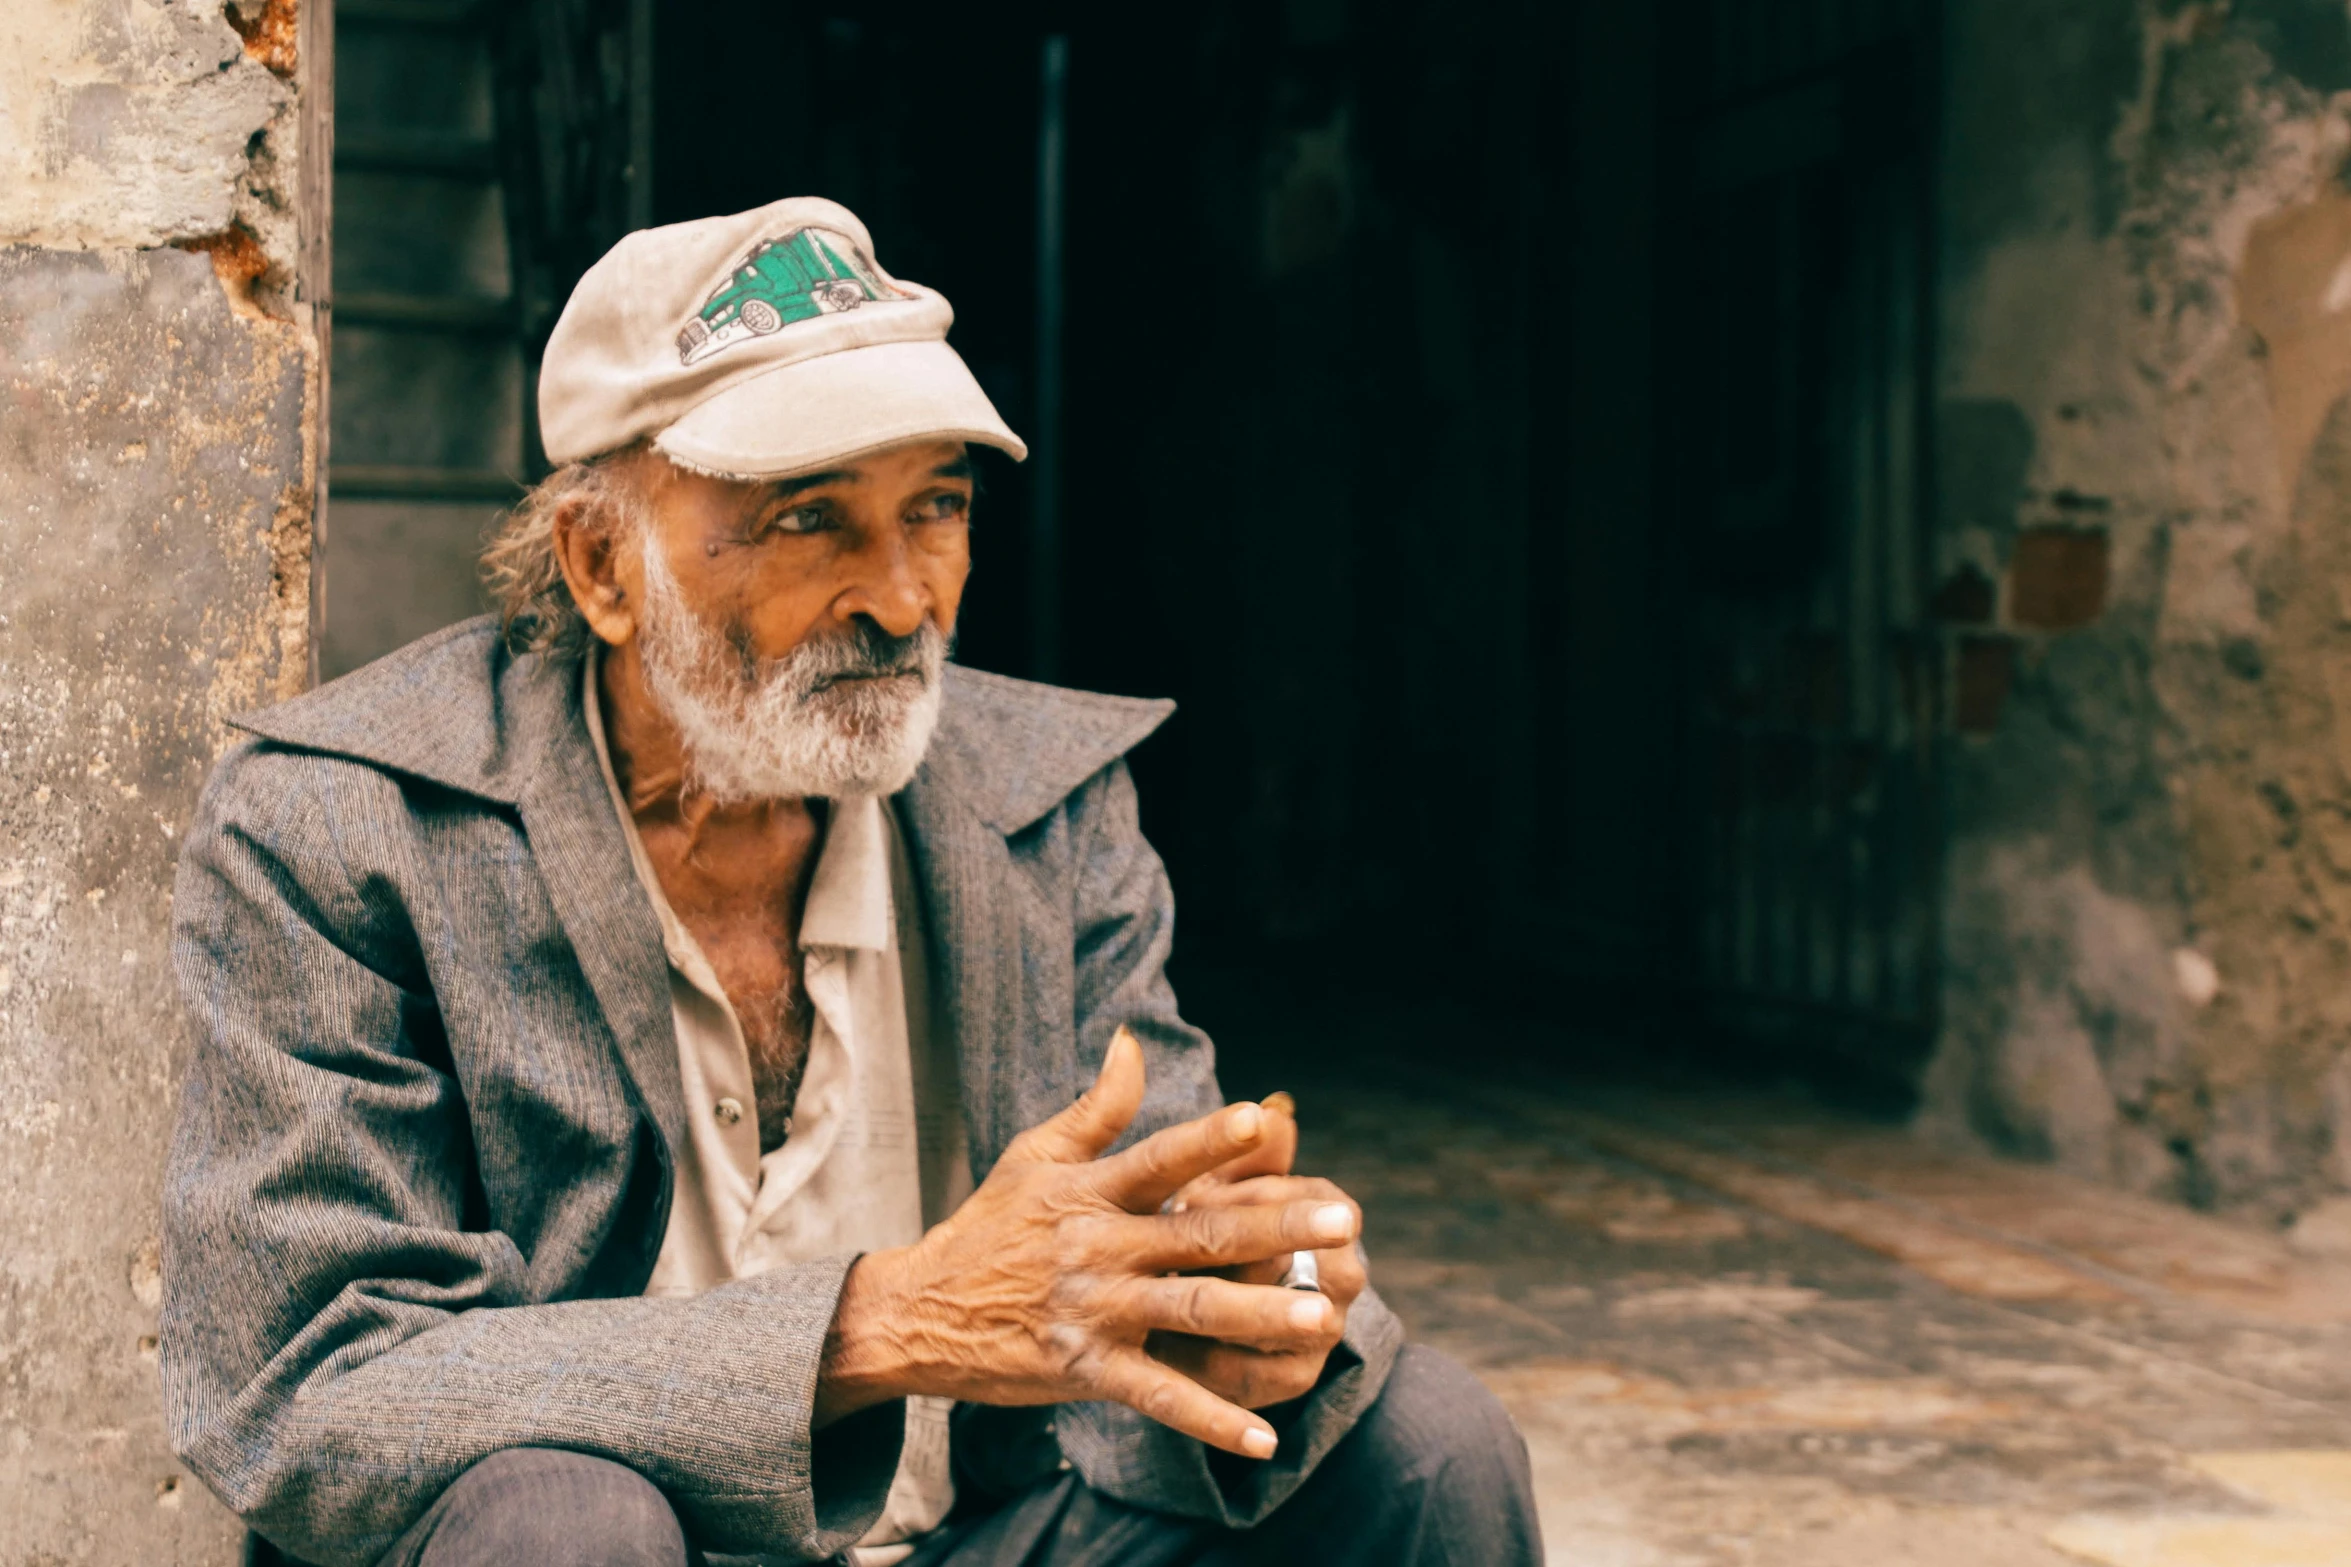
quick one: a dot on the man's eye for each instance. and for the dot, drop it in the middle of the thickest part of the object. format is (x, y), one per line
(942, 508)
(798, 519)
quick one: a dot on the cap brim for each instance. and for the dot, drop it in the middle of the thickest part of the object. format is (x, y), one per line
(801, 417)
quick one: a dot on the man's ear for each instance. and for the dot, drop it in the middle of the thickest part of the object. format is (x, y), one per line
(601, 572)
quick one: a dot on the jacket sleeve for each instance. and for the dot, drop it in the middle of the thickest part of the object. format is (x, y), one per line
(341, 1336)
(1125, 924)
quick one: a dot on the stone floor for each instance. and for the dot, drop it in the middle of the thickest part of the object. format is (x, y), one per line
(1739, 1329)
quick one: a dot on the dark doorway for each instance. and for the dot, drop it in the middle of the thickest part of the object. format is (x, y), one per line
(1456, 424)
(1322, 272)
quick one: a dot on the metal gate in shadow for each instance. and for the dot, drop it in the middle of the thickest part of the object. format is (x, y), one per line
(1795, 376)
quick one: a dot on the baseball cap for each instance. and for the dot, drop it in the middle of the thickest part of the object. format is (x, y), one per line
(758, 346)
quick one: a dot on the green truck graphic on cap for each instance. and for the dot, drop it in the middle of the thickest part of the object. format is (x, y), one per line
(796, 278)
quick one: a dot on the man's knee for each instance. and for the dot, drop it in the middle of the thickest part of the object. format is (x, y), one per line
(1433, 1475)
(542, 1504)
(1434, 1418)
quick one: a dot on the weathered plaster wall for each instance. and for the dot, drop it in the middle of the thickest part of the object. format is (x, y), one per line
(155, 517)
(2146, 442)
(139, 122)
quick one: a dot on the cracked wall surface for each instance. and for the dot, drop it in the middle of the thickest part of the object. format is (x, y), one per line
(158, 376)
(2146, 446)
(126, 123)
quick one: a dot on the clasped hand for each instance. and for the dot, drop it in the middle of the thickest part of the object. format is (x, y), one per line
(1061, 1279)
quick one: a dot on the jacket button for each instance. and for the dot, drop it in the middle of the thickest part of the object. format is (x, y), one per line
(728, 1110)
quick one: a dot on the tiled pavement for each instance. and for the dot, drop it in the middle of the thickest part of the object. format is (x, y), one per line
(1738, 1329)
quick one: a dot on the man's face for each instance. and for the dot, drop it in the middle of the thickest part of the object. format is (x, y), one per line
(771, 565)
(794, 631)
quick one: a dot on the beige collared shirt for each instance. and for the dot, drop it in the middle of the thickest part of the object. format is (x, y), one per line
(875, 1153)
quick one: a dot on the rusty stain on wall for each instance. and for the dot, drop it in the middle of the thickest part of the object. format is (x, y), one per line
(2057, 578)
(237, 260)
(272, 30)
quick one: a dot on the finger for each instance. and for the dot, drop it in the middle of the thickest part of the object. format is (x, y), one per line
(1082, 1131)
(1342, 1280)
(1217, 1237)
(1152, 1171)
(1275, 1153)
(1266, 1191)
(1267, 1318)
(1269, 1271)
(1338, 1272)
(1143, 1384)
(1250, 1378)
(1342, 1275)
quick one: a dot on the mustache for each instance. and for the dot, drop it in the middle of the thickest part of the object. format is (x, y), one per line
(860, 651)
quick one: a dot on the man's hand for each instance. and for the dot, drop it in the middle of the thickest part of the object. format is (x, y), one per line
(1247, 1375)
(1044, 1286)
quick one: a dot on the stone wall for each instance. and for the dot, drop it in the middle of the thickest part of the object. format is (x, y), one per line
(2146, 492)
(158, 382)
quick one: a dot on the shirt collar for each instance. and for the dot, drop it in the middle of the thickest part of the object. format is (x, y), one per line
(848, 897)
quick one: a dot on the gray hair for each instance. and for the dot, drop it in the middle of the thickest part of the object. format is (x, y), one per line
(519, 564)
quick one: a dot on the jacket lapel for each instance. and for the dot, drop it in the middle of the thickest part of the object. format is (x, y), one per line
(961, 864)
(583, 859)
(1006, 754)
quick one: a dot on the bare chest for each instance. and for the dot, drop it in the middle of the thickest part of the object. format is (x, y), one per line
(758, 964)
(747, 925)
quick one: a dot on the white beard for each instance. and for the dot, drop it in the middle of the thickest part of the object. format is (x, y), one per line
(783, 729)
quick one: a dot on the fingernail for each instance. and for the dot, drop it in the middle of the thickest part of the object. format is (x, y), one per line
(1333, 1221)
(1246, 1122)
(1258, 1442)
(1307, 1313)
(1279, 1102)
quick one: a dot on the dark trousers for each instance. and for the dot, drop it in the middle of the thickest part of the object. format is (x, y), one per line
(1433, 1475)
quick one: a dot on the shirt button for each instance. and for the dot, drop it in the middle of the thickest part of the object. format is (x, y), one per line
(728, 1110)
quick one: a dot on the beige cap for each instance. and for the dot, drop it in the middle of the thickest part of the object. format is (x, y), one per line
(760, 345)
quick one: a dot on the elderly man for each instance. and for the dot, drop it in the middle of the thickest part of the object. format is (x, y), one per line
(604, 1013)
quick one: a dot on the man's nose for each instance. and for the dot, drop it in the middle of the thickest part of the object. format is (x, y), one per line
(888, 590)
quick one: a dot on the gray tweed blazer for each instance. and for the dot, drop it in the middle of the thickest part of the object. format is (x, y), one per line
(423, 1161)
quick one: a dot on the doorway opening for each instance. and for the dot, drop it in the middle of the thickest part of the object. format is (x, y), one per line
(1505, 436)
